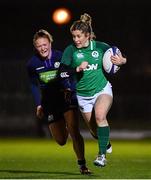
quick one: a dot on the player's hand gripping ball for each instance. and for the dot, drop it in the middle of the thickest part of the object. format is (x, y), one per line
(108, 66)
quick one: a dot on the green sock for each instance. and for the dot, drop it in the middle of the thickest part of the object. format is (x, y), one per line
(103, 138)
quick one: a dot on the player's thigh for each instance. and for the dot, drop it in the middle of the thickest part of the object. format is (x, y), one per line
(103, 104)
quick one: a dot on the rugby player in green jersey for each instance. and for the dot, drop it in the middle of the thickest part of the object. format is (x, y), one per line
(94, 91)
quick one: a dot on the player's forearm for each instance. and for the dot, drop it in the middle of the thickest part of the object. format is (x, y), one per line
(36, 94)
(65, 71)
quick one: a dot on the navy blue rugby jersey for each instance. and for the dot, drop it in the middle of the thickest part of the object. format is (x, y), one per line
(43, 75)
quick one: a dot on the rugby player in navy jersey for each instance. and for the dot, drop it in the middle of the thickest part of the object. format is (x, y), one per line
(53, 102)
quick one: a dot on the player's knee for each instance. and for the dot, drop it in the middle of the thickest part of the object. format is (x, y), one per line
(61, 142)
(100, 118)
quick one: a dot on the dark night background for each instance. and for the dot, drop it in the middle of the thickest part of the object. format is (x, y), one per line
(124, 23)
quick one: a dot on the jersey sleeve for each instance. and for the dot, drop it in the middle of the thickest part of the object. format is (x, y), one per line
(102, 45)
(66, 61)
(66, 71)
(67, 55)
(34, 85)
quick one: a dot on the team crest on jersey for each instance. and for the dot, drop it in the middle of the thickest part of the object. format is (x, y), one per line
(95, 54)
(80, 55)
(57, 64)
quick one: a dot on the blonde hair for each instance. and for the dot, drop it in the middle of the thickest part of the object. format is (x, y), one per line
(84, 25)
(42, 33)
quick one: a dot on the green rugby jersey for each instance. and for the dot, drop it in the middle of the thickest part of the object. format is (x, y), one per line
(92, 79)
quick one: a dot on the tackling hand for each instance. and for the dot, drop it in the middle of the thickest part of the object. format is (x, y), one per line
(82, 66)
(39, 112)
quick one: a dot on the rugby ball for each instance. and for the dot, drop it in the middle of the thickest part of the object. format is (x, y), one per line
(108, 66)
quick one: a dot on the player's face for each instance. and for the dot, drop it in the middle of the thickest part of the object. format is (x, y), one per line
(43, 47)
(80, 39)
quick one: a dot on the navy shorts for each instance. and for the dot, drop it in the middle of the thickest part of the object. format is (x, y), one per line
(55, 105)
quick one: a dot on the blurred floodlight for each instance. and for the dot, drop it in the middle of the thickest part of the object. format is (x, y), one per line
(61, 16)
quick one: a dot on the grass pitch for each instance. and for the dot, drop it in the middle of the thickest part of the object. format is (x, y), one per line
(44, 159)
